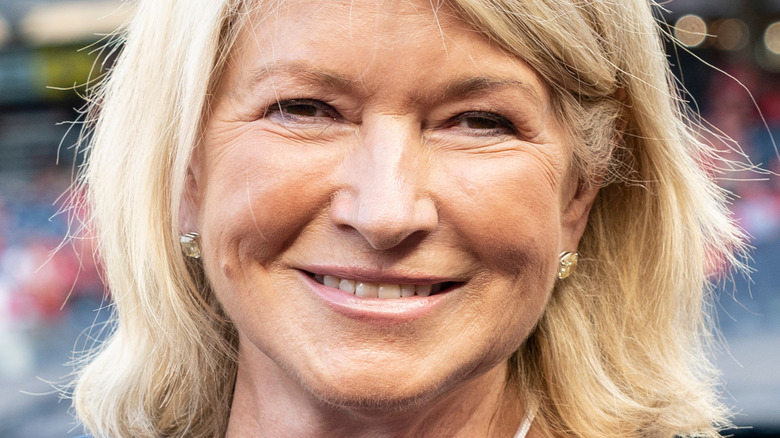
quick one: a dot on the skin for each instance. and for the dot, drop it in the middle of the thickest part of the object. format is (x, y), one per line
(414, 149)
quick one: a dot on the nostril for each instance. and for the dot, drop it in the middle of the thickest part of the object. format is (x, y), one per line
(386, 231)
(384, 239)
(384, 210)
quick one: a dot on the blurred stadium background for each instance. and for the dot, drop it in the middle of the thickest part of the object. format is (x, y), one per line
(48, 300)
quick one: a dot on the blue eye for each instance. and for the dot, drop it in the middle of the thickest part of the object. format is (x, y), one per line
(301, 110)
(483, 123)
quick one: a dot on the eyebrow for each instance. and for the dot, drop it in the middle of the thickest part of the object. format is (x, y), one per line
(456, 88)
(465, 87)
(301, 70)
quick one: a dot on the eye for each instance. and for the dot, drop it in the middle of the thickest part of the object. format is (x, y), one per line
(301, 110)
(482, 123)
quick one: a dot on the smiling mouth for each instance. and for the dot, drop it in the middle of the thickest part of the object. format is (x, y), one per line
(382, 290)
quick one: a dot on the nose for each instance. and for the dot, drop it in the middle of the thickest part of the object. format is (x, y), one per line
(385, 198)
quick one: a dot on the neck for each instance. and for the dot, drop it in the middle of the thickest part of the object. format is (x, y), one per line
(268, 403)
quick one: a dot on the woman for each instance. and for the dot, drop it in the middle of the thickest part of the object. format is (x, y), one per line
(363, 218)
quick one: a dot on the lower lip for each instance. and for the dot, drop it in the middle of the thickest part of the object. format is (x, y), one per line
(376, 309)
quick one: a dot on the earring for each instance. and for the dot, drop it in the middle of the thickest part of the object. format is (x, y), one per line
(568, 263)
(189, 245)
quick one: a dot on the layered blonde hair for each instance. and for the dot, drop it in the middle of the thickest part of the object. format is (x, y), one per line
(622, 349)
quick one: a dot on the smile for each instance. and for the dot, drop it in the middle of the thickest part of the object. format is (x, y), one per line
(381, 290)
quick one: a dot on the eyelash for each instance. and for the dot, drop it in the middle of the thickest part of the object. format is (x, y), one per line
(501, 124)
(282, 109)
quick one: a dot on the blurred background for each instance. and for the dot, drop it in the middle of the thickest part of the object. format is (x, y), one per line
(48, 300)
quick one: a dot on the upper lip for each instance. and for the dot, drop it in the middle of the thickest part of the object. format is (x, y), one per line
(375, 275)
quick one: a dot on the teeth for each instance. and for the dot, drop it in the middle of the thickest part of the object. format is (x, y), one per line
(367, 290)
(423, 290)
(389, 291)
(331, 281)
(373, 290)
(347, 285)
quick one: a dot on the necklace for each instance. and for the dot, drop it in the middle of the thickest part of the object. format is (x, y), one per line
(526, 424)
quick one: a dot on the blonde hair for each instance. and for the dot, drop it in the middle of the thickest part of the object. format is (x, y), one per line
(621, 350)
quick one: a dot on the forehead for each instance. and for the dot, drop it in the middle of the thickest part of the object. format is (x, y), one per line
(355, 43)
(349, 15)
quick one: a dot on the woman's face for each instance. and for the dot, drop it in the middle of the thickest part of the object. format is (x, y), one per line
(382, 195)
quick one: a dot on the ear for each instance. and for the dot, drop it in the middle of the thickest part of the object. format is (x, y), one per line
(189, 206)
(576, 211)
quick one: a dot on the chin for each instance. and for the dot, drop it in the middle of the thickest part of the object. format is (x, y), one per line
(376, 396)
(391, 390)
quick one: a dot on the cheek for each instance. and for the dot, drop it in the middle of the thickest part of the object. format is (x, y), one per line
(508, 211)
(257, 199)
